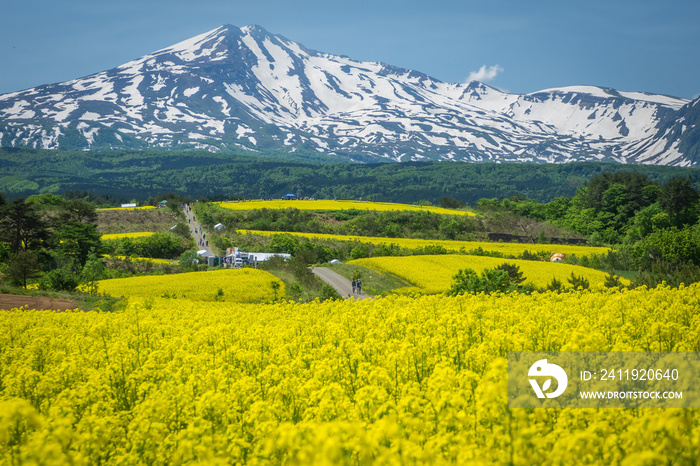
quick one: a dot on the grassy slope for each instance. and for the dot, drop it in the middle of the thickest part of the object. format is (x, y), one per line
(373, 283)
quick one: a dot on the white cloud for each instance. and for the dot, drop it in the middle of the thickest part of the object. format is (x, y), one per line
(485, 74)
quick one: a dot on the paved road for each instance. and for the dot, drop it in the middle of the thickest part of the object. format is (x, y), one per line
(196, 230)
(341, 284)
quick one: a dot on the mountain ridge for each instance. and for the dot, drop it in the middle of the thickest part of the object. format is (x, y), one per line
(244, 88)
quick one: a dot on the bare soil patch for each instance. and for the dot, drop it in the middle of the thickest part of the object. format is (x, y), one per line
(11, 301)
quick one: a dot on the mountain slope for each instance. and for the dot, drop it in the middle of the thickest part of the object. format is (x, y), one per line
(234, 88)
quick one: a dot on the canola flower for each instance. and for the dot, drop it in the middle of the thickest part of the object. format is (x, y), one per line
(395, 380)
(323, 205)
(514, 249)
(236, 285)
(145, 207)
(144, 259)
(140, 234)
(434, 274)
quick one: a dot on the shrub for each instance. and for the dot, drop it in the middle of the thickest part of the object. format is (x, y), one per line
(60, 280)
(286, 244)
(158, 245)
(93, 271)
(384, 250)
(578, 281)
(22, 266)
(295, 290)
(514, 274)
(671, 274)
(328, 293)
(451, 203)
(491, 281)
(612, 281)
(555, 285)
(529, 256)
(431, 249)
(359, 252)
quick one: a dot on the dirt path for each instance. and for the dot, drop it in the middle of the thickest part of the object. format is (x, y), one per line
(11, 301)
(341, 284)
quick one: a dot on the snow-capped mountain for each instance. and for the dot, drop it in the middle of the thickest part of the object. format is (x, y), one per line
(234, 88)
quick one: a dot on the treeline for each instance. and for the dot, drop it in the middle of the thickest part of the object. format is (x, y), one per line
(54, 243)
(389, 224)
(119, 176)
(507, 278)
(317, 251)
(654, 227)
(54, 239)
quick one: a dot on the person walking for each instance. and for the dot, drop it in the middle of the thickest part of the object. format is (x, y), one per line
(354, 286)
(359, 286)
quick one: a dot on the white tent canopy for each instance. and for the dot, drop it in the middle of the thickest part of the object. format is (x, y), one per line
(205, 253)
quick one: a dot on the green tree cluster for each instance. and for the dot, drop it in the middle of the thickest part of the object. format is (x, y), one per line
(615, 207)
(156, 246)
(117, 175)
(502, 279)
(49, 237)
(655, 226)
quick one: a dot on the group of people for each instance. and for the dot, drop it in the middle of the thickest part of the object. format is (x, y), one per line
(357, 286)
(203, 241)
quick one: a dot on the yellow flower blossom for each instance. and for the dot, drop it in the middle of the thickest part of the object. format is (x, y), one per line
(236, 285)
(140, 234)
(145, 259)
(394, 380)
(433, 274)
(514, 249)
(322, 205)
(145, 207)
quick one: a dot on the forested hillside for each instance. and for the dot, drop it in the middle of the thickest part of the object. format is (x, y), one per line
(140, 175)
(654, 227)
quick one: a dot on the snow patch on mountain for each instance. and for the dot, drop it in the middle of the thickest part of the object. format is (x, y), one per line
(244, 87)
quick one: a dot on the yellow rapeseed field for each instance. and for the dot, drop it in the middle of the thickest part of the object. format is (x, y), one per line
(146, 207)
(433, 274)
(140, 234)
(236, 285)
(322, 205)
(145, 259)
(514, 249)
(391, 381)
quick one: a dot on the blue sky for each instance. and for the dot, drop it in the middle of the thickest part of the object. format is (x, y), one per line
(638, 45)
